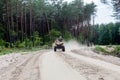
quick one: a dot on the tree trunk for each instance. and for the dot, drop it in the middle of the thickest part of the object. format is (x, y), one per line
(17, 18)
(25, 23)
(30, 19)
(21, 13)
(8, 24)
(12, 22)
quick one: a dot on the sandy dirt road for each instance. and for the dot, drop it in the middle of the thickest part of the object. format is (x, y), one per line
(54, 68)
(50, 65)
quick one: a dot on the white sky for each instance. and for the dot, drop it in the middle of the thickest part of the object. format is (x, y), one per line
(104, 12)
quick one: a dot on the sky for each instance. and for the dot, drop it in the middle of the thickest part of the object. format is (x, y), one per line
(104, 12)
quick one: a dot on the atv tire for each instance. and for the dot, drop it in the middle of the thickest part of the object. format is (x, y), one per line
(63, 49)
(54, 49)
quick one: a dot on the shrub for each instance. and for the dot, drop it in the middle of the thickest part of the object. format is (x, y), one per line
(116, 50)
(21, 45)
(17, 43)
(37, 39)
(46, 47)
(0, 49)
(50, 38)
(80, 38)
(67, 36)
(28, 43)
(54, 34)
(2, 42)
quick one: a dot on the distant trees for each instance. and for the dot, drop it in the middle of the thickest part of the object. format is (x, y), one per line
(107, 34)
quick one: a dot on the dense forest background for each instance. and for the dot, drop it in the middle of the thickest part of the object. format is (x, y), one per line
(28, 23)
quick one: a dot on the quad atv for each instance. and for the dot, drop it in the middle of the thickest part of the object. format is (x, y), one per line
(59, 45)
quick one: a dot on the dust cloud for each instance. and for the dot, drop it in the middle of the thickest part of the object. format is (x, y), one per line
(73, 44)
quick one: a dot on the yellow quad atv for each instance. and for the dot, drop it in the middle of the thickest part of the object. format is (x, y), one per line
(59, 45)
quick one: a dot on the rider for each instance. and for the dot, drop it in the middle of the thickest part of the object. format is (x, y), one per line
(60, 39)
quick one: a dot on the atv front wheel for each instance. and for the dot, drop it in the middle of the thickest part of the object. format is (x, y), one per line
(55, 49)
(63, 49)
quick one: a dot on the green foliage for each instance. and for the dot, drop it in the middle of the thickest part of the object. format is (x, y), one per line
(1, 48)
(5, 51)
(7, 44)
(2, 31)
(67, 36)
(47, 39)
(2, 42)
(109, 50)
(80, 38)
(119, 31)
(54, 34)
(98, 48)
(109, 46)
(46, 47)
(55, 14)
(104, 38)
(37, 39)
(28, 43)
(16, 44)
(106, 34)
(51, 37)
(116, 50)
(55, 25)
(22, 45)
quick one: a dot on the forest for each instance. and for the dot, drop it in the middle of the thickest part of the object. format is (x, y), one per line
(32, 23)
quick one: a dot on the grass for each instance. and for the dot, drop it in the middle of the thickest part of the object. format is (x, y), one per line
(98, 48)
(109, 46)
(117, 48)
(114, 52)
(4, 51)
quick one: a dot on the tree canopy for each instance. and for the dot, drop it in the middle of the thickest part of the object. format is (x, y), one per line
(41, 21)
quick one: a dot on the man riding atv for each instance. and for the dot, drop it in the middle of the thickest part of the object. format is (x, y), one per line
(59, 44)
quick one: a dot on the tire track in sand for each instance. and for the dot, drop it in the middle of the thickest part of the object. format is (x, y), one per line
(29, 70)
(7, 72)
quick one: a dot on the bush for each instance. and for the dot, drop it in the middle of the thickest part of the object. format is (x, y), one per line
(37, 39)
(51, 37)
(80, 38)
(67, 36)
(28, 43)
(46, 47)
(116, 50)
(0, 49)
(2, 42)
(17, 43)
(21, 45)
(54, 34)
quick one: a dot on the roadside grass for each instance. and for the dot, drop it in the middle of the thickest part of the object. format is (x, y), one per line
(4, 51)
(100, 49)
(116, 51)
(109, 46)
(105, 50)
